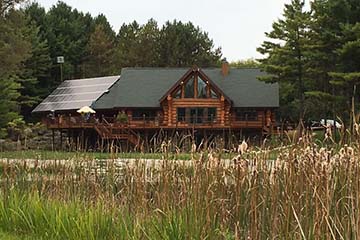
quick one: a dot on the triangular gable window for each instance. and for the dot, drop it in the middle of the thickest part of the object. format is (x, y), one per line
(189, 88)
(202, 89)
(195, 85)
(178, 93)
(213, 94)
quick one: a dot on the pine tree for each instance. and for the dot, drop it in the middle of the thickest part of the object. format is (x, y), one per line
(36, 72)
(14, 49)
(285, 57)
(100, 54)
(327, 17)
(148, 44)
(185, 45)
(127, 45)
(348, 74)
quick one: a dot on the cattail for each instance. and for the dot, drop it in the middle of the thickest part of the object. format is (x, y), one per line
(242, 147)
(193, 148)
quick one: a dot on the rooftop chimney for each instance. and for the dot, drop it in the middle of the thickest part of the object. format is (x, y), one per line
(224, 67)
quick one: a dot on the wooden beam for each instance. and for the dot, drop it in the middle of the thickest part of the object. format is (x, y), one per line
(169, 99)
(222, 118)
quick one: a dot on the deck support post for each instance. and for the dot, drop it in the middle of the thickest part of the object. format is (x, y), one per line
(82, 144)
(205, 140)
(61, 140)
(53, 139)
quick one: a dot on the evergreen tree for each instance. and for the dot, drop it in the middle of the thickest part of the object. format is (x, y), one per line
(127, 45)
(68, 33)
(102, 20)
(348, 74)
(148, 44)
(286, 57)
(327, 16)
(184, 45)
(100, 54)
(14, 49)
(36, 72)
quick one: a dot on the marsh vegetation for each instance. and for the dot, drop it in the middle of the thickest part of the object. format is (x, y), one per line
(310, 191)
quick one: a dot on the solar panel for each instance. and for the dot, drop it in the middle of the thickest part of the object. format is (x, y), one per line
(74, 94)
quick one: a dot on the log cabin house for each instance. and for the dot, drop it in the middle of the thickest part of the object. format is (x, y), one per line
(142, 102)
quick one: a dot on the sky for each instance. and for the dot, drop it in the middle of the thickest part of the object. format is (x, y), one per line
(237, 26)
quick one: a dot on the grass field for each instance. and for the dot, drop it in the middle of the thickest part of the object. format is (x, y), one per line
(308, 192)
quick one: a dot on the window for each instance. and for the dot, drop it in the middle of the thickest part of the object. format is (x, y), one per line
(201, 89)
(189, 88)
(213, 94)
(181, 114)
(246, 115)
(196, 115)
(211, 114)
(177, 94)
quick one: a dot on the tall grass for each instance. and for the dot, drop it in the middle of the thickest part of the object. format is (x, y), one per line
(308, 192)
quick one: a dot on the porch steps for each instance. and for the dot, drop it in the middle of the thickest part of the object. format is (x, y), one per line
(105, 132)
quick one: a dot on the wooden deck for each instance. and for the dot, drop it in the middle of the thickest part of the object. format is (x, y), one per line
(108, 128)
(78, 122)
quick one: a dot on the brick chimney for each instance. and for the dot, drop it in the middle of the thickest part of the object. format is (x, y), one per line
(224, 67)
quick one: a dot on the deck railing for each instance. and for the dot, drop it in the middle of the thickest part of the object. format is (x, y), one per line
(74, 121)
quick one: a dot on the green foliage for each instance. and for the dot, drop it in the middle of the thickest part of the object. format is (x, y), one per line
(248, 63)
(250, 198)
(183, 44)
(68, 32)
(100, 57)
(36, 72)
(14, 50)
(122, 117)
(317, 54)
(286, 54)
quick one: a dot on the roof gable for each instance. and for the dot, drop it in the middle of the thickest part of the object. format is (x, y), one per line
(191, 72)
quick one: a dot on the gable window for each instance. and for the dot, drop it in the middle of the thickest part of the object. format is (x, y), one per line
(201, 89)
(189, 88)
(178, 93)
(213, 94)
(246, 115)
(195, 87)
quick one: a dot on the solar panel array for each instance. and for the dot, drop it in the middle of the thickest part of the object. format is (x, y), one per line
(74, 94)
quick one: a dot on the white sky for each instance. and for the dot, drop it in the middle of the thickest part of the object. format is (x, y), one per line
(237, 26)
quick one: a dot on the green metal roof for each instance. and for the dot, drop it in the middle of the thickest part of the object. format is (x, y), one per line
(143, 87)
